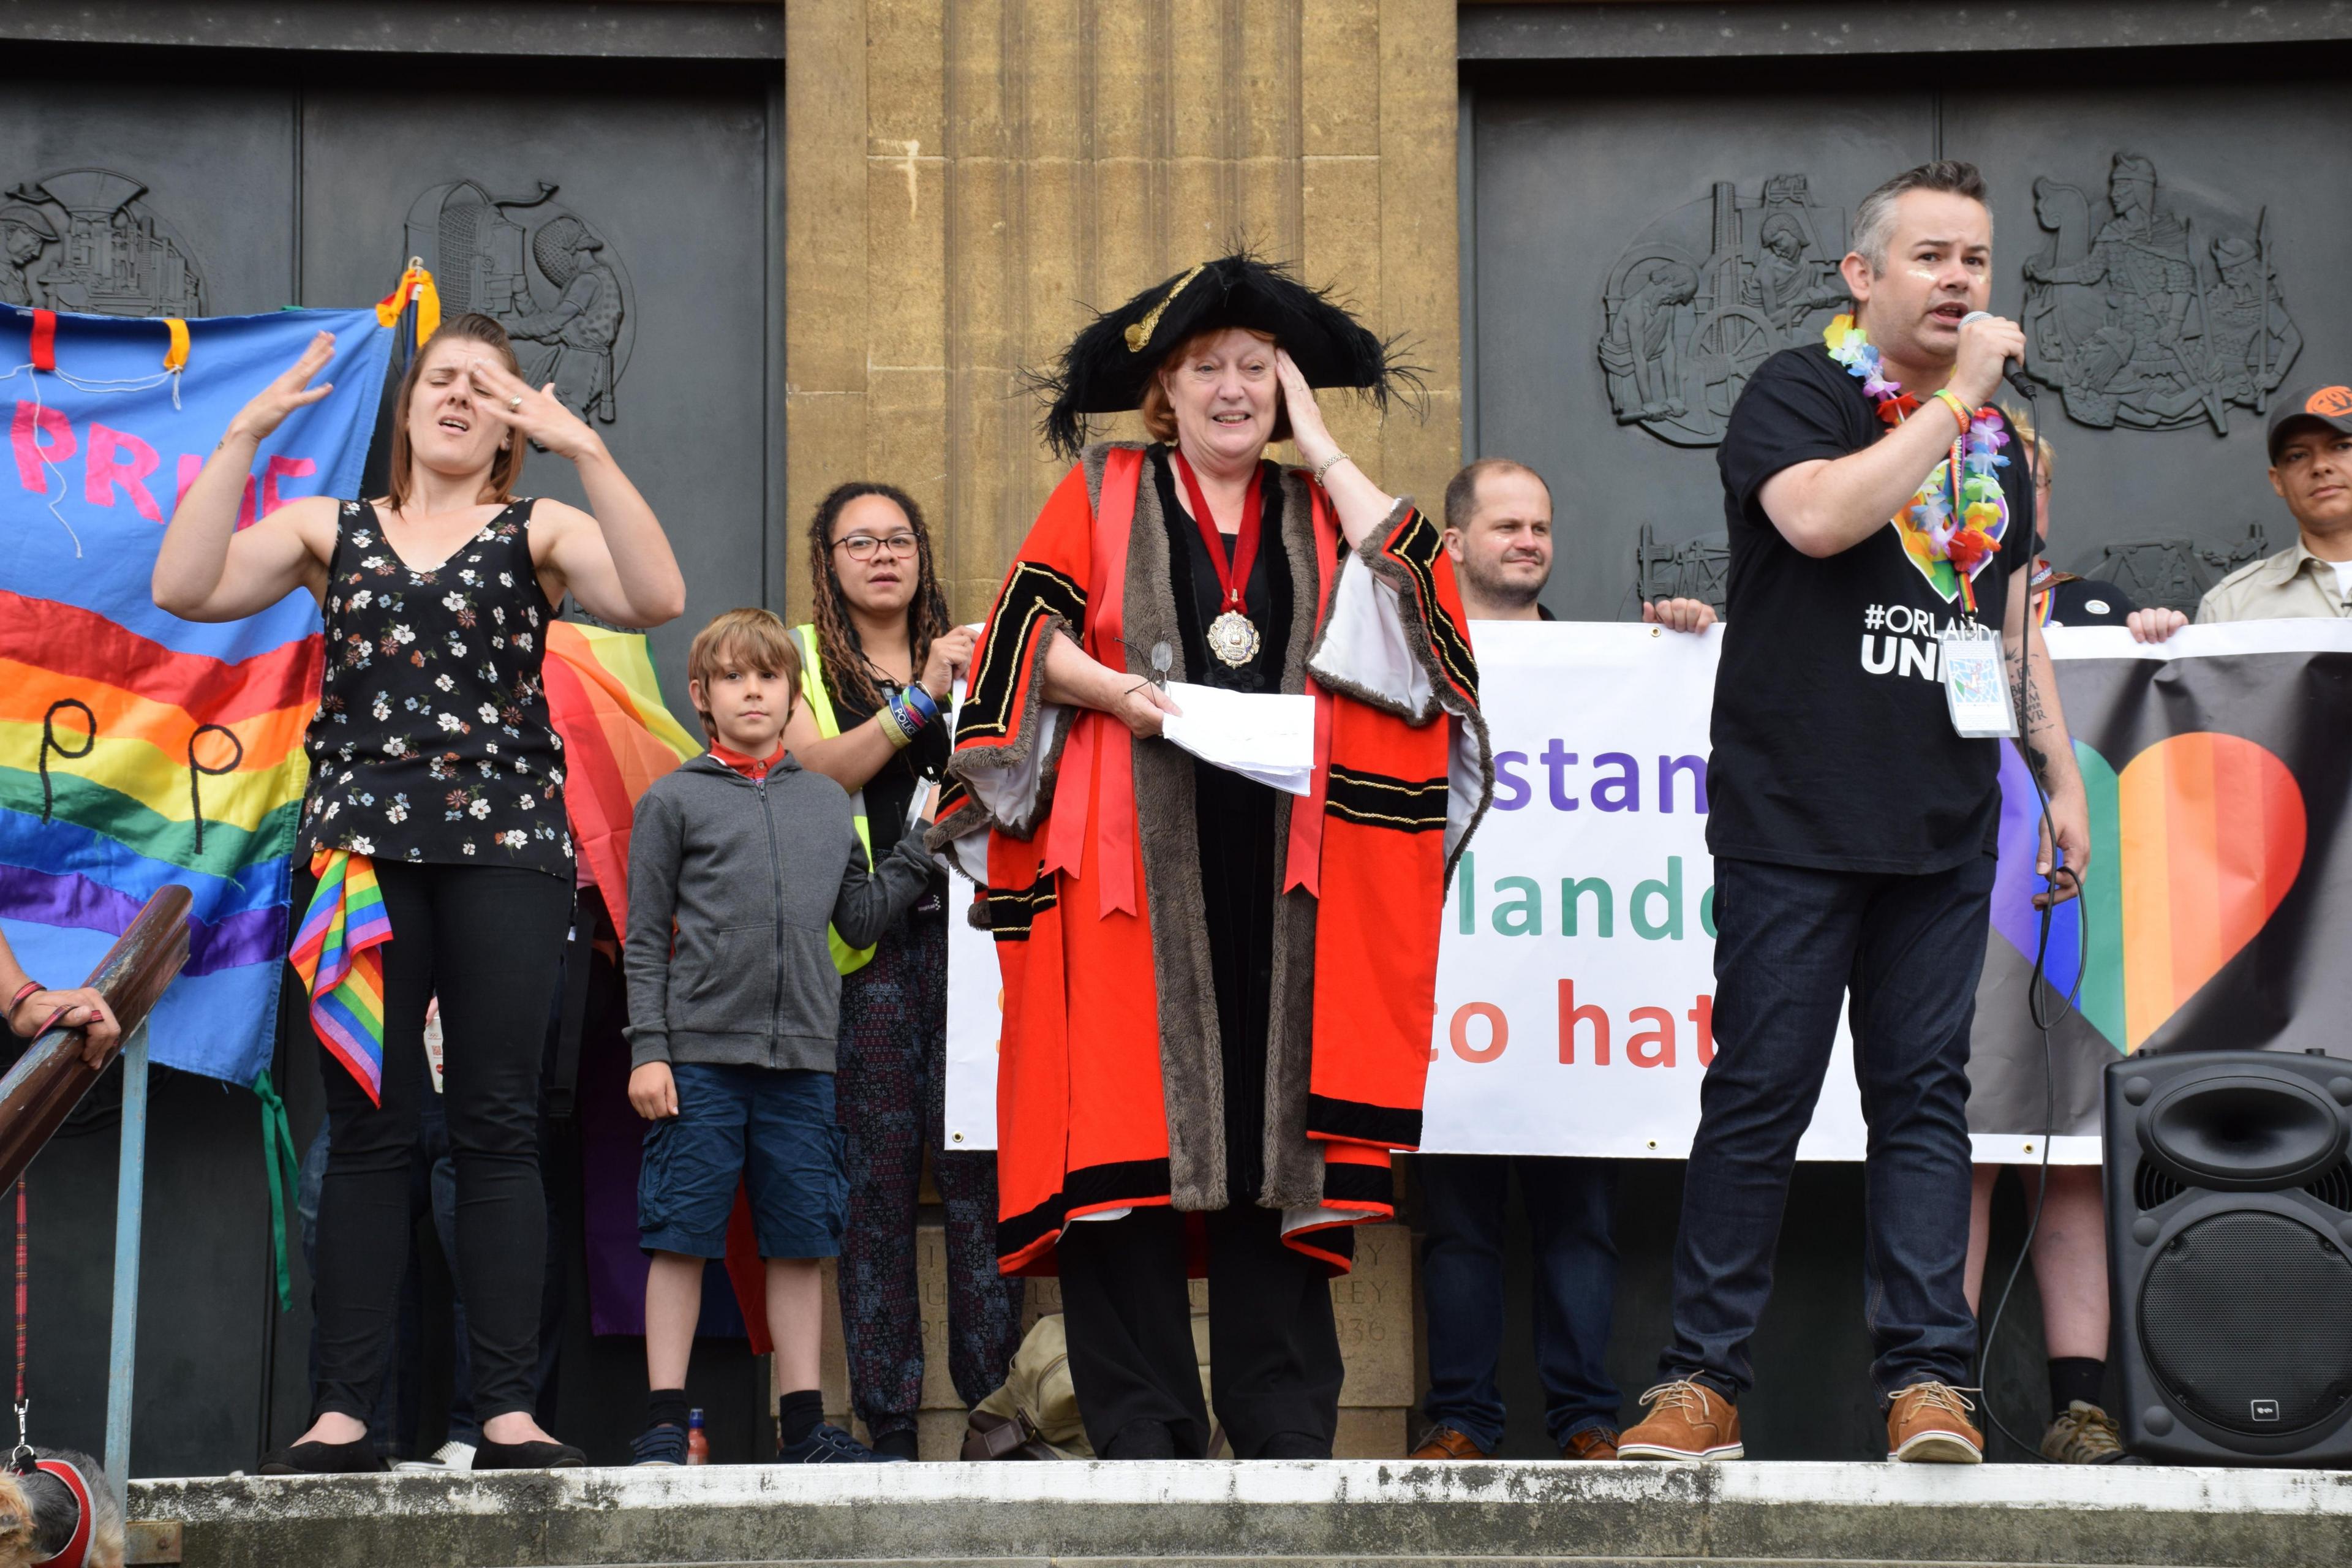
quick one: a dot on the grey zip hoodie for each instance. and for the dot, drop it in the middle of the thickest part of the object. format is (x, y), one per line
(751, 872)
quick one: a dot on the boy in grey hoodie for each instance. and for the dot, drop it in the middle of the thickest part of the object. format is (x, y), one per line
(748, 857)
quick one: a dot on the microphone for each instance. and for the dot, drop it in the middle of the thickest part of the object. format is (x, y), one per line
(2015, 375)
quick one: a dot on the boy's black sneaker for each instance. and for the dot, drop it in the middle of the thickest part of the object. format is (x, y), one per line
(829, 1445)
(663, 1443)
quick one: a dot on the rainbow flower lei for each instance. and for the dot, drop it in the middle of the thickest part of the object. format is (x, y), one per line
(1932, 535)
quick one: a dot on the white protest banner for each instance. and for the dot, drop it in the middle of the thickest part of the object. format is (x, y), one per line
(1575, 980)
(975, 1015)
(1575, 977)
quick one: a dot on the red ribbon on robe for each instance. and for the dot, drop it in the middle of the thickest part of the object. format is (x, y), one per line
(1303, 867)
(1098, 761)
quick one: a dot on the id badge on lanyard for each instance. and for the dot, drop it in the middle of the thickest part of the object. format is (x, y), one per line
(1976, 684)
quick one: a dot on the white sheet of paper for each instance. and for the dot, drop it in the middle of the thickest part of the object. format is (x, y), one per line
(1269, 737)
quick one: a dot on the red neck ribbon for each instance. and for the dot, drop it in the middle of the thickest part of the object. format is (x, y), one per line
(1233, 576)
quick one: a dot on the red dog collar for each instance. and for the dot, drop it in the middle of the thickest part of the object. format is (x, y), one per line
(77, 1548)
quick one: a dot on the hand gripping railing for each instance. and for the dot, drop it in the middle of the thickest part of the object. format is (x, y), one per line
(50, 1079)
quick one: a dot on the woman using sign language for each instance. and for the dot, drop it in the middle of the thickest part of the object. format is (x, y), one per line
(436, 802)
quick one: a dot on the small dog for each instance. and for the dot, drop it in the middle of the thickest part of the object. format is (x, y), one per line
(40, 1516)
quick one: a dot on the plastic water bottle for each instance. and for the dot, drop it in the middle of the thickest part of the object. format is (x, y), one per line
(698, 1447)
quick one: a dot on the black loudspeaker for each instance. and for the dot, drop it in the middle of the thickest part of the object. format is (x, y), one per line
(2230, 1256)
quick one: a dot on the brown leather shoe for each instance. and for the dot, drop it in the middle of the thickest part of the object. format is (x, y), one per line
(1686, 1421)
(1929, 1424)
(1447, 1443)
(1593, 1443)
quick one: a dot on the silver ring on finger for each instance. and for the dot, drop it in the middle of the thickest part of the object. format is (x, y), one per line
(514, 404)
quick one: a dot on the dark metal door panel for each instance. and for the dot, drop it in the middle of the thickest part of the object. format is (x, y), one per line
(646, 212)
(1580, 204)
(146, 200)
(2174, 331)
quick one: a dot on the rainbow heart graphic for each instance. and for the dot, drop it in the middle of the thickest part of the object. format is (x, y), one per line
(2192, 847)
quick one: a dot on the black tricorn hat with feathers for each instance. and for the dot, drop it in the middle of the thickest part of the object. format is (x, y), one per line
(1110, 364)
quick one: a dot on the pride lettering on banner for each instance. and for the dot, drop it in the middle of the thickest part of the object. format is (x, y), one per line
(117, 466)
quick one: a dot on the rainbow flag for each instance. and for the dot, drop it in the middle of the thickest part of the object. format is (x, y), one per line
(138, 750)
(618, 737)
(334, 952)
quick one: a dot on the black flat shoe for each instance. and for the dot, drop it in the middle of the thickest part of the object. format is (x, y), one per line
(357, 1457)
(532, 1456)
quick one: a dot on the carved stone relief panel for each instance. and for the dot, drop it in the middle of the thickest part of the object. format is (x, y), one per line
(548, 277)
(2154, 307)
(1706, 293)
(2177, 573)
(1695, 569)
(80, 239)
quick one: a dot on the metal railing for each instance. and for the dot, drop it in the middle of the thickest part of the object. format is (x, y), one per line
(50, 1079)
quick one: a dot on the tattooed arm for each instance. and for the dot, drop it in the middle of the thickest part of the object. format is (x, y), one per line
(2043, 741)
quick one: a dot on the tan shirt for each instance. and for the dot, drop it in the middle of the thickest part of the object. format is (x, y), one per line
(2293, 584)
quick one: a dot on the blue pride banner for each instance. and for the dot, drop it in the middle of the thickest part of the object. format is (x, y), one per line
(139, 750)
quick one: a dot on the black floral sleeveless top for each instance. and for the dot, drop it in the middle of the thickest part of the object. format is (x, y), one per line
(431, 743)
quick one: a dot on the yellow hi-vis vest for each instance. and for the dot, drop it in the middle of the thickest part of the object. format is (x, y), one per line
(845, 957)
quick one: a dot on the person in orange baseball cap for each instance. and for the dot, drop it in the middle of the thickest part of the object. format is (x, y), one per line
(2310, 469)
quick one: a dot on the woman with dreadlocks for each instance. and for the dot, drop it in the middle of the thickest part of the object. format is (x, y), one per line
(878, 663)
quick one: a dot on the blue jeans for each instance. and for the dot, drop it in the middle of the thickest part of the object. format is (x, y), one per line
(1571, 1210)
(1791, 945)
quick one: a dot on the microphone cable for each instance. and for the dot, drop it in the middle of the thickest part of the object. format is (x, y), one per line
(2038, 990)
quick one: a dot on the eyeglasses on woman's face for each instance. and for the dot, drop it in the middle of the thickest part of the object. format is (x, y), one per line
(863, 546)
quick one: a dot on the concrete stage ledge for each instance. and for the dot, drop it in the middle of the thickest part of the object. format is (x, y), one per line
(1315, 1513)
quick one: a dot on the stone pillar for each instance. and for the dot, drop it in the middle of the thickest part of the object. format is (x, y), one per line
(965, 181)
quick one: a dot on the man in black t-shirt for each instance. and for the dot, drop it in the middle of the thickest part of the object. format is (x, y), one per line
(1853, 825)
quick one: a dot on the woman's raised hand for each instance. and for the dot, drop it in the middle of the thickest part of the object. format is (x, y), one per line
(1306, 428)
(538, 415)
(951, 652)
(292, 390)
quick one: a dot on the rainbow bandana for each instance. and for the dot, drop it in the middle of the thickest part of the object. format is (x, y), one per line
(334, 952)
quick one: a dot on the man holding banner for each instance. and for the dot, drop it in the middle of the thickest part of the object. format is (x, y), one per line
(1855, 807)
(1498, 526)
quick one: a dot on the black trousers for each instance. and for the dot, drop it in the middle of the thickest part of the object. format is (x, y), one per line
(488, 941)
(1273, 1349)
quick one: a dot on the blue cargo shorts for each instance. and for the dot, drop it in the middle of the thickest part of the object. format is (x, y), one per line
(773, 1129)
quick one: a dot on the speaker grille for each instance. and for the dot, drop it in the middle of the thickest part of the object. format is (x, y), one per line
(2335, 1188)
(2152, 1188)
(2243, 1322)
